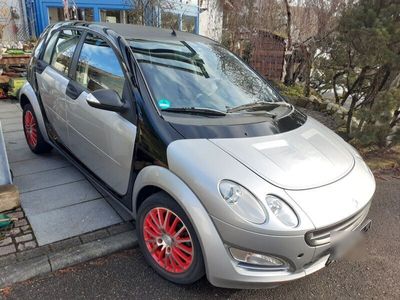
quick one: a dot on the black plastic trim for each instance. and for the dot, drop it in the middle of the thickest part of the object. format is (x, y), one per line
(74, 90)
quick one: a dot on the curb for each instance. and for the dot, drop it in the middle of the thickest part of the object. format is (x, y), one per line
(33, 267)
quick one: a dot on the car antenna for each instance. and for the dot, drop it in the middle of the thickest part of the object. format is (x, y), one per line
(173, 31)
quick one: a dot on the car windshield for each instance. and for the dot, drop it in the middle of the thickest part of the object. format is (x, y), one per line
(190, 75)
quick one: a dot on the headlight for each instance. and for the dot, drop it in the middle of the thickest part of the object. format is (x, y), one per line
(282, 211)
(242, 202)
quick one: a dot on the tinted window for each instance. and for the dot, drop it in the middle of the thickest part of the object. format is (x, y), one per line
(98, 66)
(64, 50)
(49, 48)
(195, 74)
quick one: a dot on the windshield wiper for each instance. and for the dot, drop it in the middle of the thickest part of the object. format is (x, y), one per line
(255, 105)
(196, 110)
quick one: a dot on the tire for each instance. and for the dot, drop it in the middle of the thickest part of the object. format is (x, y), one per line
(172, 265)
(33, 136)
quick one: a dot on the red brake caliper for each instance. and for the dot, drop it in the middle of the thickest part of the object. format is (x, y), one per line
(30, 129)
(168, 240)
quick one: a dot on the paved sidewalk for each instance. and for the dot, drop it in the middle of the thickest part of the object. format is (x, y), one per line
(66, 253)
(57, 200)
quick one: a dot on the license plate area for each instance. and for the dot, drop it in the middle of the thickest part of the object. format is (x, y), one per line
(342, 242)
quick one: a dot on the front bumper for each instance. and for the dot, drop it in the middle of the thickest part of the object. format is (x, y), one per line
(303, 259)
(250, 279)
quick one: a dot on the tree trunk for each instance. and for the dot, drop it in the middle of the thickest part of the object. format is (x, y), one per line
(307, 82)
(380, 79)
(395, 118)
(356, 83)
(309, 61)
(288, 25)
(289, 57)
(335, 77)
(350, 116)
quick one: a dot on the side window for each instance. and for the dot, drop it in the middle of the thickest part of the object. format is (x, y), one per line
(49, 48)
(98, 66)
(64, 50)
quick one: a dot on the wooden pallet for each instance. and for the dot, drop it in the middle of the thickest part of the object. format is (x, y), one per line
(4, 79)
(9, 60)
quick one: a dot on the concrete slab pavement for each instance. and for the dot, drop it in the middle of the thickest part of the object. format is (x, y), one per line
(73, 220)
(58, 201)
(40, 201)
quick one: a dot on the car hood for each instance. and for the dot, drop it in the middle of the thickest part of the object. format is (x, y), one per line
(307, 157)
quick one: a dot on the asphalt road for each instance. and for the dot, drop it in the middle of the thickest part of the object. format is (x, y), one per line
(373, 271)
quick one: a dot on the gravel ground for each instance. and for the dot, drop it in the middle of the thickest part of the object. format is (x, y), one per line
(371, 272)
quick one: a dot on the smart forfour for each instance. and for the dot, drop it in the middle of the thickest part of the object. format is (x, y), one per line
(222, 176)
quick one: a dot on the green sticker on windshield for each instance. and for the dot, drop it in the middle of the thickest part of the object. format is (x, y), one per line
(164, 103)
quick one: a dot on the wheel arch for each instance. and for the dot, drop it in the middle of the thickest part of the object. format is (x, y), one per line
(28, 96)
(23, 100)
(144, 193)
(156, 178)
(153, 179)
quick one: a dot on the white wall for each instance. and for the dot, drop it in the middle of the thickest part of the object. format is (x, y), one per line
(211, 17)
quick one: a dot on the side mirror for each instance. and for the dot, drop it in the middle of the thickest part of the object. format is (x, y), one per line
(106, 99)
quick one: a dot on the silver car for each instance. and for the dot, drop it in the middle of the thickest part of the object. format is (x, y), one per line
(222, 176)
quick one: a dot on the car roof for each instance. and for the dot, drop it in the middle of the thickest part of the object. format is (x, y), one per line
(129, 31)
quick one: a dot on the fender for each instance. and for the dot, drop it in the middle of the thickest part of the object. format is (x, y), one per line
(210, 242)
(28, 92)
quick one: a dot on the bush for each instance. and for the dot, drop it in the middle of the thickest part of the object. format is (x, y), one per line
(374, 126)
(290, 91)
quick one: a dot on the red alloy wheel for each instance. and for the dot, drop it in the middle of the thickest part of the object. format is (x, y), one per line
(30, 127)
(168, 240)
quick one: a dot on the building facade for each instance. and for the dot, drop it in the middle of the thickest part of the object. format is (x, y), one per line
(180, 14)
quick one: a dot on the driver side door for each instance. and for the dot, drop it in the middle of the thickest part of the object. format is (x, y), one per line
(102, 140)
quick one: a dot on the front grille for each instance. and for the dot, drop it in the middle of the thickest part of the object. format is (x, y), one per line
(323, 236)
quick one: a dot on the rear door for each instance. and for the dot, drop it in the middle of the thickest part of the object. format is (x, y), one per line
(52, 73)
(102, 140)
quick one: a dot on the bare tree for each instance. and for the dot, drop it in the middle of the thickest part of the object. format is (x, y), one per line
(309, 23)
(144, 12)
(289, 50)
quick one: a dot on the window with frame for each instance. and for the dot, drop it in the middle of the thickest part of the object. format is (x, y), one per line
(49, 48)
(98, 66)
(64, 50)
